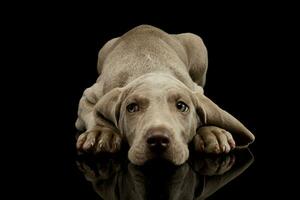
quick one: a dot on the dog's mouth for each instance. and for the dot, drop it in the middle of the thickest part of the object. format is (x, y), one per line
(158, 157)
(176, 153)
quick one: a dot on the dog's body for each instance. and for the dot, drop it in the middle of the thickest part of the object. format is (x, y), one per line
(150, 94)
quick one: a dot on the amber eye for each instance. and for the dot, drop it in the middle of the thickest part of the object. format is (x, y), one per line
(182, 107)
(133, 107)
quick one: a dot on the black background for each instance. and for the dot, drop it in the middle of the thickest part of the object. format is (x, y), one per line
(54, 53)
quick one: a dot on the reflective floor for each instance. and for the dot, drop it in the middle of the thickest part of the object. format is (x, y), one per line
(57, 47)
(113, 177)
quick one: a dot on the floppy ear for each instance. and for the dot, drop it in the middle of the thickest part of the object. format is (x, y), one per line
(107, 109)
(211, 114)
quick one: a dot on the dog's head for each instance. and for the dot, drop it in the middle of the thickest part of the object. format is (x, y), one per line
(158, 116)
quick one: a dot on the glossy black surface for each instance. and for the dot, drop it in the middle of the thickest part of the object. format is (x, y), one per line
(56, 48)
(115, 178)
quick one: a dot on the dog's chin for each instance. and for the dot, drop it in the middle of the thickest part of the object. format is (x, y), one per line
(176, 154)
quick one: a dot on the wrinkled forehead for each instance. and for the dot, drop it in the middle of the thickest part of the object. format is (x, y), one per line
(151, 84)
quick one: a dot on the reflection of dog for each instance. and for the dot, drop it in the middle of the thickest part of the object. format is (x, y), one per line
(197, 179)
(149, 93)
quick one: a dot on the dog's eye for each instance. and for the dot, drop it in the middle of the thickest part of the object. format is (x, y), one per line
(181, 106)
(133, 107)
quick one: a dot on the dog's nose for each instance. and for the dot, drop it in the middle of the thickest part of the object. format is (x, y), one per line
(158, 142)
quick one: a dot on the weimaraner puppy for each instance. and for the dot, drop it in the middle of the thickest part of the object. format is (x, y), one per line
(150, 94)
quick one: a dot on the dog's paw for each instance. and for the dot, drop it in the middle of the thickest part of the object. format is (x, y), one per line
(99, 140)
(212, 139)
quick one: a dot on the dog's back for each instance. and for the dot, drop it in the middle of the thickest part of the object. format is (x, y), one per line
(144, 49)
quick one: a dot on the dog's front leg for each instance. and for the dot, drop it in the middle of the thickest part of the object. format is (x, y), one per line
(212, 139)
(99, 139)
(96, 138)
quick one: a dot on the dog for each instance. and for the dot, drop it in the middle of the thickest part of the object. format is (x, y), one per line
(149, 94)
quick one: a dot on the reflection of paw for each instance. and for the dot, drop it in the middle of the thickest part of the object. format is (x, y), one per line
(98, 169)
(215, 165)
(219, 166)
(88, 172)
(99, 140)
(212, 139)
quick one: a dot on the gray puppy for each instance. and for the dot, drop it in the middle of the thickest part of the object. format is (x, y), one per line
(150, 94)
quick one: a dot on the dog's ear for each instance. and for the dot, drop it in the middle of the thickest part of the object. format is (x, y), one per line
(107, 109)
(211, 114)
